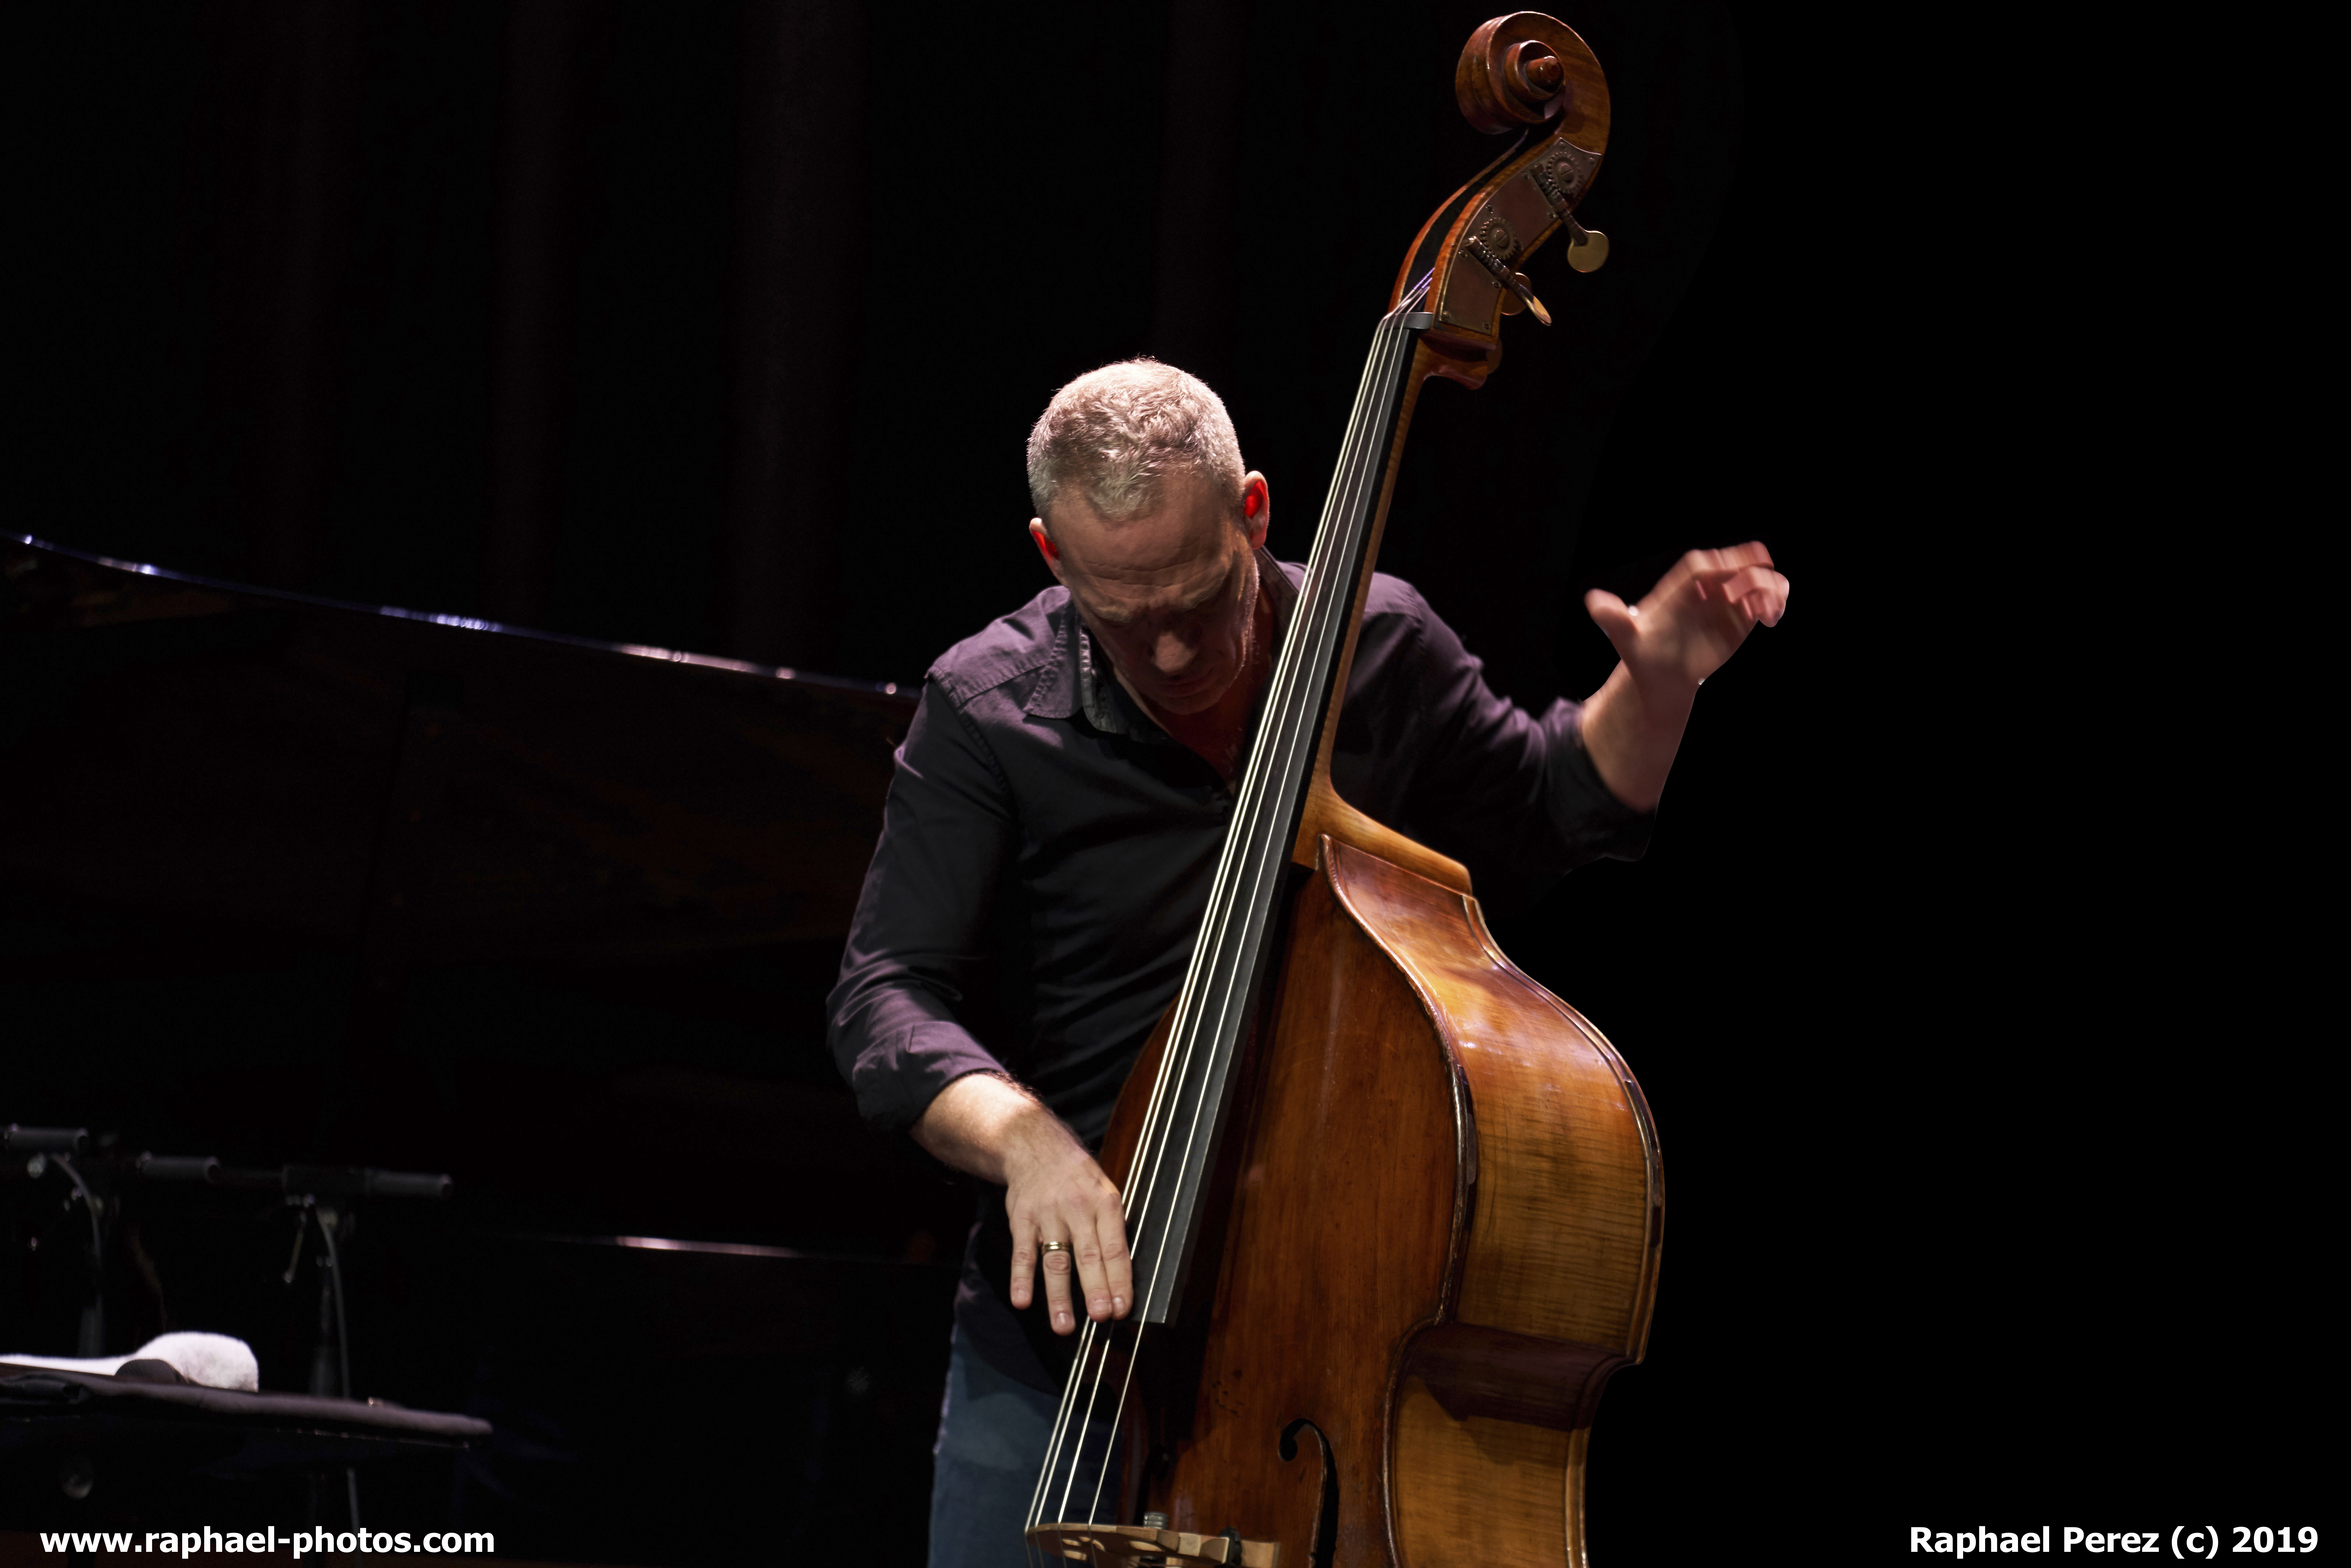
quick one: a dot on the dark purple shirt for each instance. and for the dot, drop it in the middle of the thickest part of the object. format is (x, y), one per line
(1047, 850)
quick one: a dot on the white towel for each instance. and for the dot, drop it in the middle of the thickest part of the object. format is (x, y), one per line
(214, 1360)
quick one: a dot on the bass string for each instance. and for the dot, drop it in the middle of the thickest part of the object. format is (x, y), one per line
(1314, 616)
(1126, 1383)
(1348, 503)
(1310, 652)
(1350, 507)
(1308, 649)
(1083, 1425)
(1202, 1051)
(1052, 1464)
(1087, 1374)
(1182, 1033)
(1204, 942)
(1211, 941)
(1304, 654)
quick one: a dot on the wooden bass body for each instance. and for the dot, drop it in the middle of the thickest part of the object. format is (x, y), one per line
(1436, 1231)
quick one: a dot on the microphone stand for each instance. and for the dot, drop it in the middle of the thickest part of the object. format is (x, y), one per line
(319, 1194)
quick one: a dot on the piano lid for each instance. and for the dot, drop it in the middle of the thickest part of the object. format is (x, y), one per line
(433, 789)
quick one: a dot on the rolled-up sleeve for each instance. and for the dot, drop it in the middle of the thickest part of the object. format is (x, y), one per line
(1590, 823)
(917, 946)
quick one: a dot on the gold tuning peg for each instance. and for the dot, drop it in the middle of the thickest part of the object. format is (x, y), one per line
(1587, 249)
(1521, 297)
(1518, 292)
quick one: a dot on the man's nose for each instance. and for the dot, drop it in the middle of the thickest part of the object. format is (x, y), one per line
(1172, 655)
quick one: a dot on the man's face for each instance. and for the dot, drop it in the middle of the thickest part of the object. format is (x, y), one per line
(1170, 594)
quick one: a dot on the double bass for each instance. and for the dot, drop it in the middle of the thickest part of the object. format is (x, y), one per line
(1395, 1210)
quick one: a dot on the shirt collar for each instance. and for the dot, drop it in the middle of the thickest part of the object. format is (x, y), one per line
(1106, 702)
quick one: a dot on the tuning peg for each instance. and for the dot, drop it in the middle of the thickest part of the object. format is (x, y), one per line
(1521, 297)
(1587, 249)
(1515, 282)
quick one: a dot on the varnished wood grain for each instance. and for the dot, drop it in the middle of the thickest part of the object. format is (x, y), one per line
(1325, 815)
(1344, 1213)
(1512, 1378)
(1117, 1156)
(1439, 1237)
(1560, 1244)
(1644, 1127)
(1479, 81)
(1329, 815)
(1476, 1492)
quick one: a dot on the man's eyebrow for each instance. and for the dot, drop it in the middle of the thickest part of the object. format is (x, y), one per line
(1190, 603)
(1215, 590)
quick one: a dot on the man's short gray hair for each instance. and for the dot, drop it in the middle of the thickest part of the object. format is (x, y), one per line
(1117, 432)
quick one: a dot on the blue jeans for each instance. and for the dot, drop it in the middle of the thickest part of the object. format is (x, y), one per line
(992, 1438)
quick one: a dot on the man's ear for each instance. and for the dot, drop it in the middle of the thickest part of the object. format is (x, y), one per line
(1046, 547)
(1257, 506)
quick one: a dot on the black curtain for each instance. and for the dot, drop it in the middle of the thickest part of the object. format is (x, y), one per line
(720, 328)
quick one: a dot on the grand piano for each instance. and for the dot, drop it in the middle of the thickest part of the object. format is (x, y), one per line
(288, 880)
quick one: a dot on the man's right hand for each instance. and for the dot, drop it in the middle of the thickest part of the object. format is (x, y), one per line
(1054, 1192)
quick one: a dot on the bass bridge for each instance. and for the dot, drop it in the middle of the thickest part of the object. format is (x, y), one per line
(1145, 1546)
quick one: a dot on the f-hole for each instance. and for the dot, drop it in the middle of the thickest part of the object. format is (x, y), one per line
(1326, 1522)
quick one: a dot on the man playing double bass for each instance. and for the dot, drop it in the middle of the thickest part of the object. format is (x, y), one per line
(1057, 813)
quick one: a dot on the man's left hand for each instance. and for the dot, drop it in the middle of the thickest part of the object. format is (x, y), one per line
(1690, 623)
(1681, 632)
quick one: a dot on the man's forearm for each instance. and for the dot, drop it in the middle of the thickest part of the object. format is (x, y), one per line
(1063, 1213)
(1632, 733)
(981, 1125)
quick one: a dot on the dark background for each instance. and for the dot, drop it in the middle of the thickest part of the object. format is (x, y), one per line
(719, 328)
